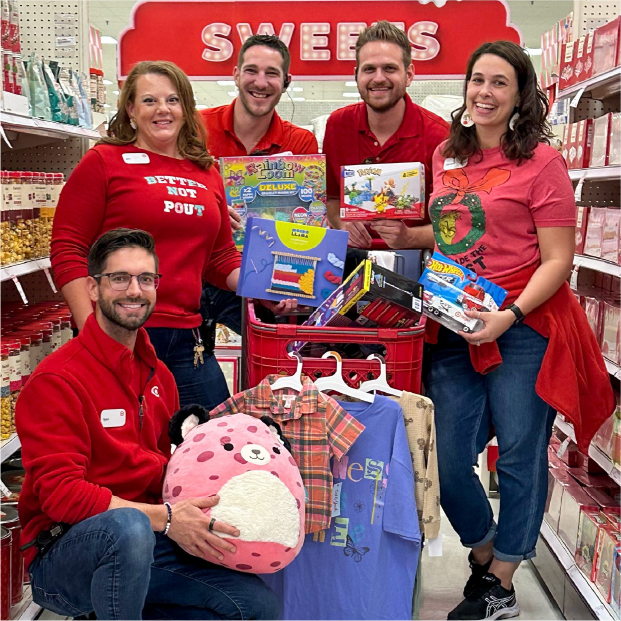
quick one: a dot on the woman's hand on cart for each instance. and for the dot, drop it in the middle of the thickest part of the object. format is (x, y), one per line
(495, 324)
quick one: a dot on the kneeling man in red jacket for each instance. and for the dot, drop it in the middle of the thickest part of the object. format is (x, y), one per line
(93, 424)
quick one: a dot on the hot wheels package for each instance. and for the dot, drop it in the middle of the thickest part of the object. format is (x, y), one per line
(451, 289)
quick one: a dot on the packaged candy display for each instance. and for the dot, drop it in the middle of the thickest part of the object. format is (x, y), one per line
(285, 188)
(590, 523)
(372, 191)
(615, 585)
(605, 47)
(584, 58)
(595, 232)
(283, 260)
(614, 145)
(613, 515)
(451, 289)
(610, 235)
(574, 500)
(372, 296)
(608, 540)
(15, 376)
(582, 218)
(610, 332)
(601, 135)
(5, 394)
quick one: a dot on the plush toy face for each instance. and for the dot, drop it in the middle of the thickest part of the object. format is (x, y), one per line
(261, 492)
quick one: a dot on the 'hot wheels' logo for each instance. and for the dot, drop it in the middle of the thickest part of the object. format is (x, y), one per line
(444, 268)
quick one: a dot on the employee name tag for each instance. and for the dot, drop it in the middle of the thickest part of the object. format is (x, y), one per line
(450, 163)
(136, 158)
(113, 418)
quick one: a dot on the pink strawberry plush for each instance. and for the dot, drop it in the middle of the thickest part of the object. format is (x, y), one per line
(246, 461)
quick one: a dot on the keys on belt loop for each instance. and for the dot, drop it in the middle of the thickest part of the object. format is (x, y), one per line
(199, 348)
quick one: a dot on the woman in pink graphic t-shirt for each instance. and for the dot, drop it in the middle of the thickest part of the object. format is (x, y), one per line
(503, 206)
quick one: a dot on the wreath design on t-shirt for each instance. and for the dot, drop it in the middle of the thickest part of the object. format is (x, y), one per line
(459, 191)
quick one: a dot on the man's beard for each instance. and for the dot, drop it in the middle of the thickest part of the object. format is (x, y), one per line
(246, 100)
(394, 99)
(131, 324)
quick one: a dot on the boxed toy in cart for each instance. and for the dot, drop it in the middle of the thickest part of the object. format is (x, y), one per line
(451, 289)
(372, 191)
(285, 188)
(283, 260)
(372, 296)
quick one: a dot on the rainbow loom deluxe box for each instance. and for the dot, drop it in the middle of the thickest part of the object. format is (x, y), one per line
(284, 260)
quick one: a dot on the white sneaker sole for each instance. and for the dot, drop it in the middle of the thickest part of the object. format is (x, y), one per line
(506, 613)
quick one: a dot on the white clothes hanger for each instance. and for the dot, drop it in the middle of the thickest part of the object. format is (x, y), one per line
(291, 381)
(337, 383)
(380, 383)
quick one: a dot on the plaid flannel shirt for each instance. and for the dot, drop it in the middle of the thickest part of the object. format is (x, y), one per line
(317, 427)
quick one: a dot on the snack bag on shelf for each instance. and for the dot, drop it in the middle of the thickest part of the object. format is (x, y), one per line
(39, 98)
(606, 42)
(595, 232)
(610, 236)
(58, 114)
(608, 540)
(589, 525)
(84, 107)
(601, 135)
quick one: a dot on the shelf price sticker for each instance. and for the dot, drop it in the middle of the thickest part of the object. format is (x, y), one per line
(50, 280)
(563, 447)
(576, 100)
(20, 290)
(578, 192)
(5, 490)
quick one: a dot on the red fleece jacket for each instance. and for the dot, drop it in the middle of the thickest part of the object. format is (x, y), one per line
(573, 377)
(73, 463)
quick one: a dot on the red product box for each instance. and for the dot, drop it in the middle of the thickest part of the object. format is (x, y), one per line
(595, 232)
(605, 47)
(601, 497)
(601, 138)
(584, 58)
(574, 500)
(613, 515)
(582, 218)
(598, 481)
(589, 465)
(608, 540)
(570, 455)
(566, 145)
(611, 332)
(614, 142)
(584, 143)
(604, 436)
(558, 480)
(572, 146)
(567, 75)
(610, 237)
(589, 525)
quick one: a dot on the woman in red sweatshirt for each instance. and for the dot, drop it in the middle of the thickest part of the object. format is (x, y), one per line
(503, 206)
(153, 172)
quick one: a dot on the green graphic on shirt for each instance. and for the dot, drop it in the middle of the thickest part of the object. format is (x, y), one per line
(444, 223)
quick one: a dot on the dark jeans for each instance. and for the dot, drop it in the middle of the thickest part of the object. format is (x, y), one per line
(222, 307)
(466, 403)
(204, 384)
(115, 565)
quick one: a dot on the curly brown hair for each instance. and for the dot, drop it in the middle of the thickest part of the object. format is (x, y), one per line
(530, 129)
(191, 140)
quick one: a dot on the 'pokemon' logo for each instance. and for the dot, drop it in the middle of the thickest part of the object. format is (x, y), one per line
(444, 268)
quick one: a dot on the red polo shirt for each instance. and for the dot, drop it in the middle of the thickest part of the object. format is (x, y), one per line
(281, 135)
(349, 141)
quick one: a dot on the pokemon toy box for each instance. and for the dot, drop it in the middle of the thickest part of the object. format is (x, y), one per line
(374, 191)
(451, 289)
(286, 188)
(283, 260)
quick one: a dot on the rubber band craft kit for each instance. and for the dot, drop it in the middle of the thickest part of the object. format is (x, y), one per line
(372, 191)
(285, 188)
(284, 260)
(451, 289)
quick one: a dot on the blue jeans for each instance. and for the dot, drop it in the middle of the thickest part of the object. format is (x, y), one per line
(115, 565)
(221, 306)
(204, 384)
(466, 404)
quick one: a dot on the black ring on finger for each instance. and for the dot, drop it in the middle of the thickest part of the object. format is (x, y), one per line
(211, 523)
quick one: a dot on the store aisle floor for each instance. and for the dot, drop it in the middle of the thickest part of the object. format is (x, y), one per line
(443, 578)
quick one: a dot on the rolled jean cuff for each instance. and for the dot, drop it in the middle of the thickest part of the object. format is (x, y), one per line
(513, 558)
(491, 533)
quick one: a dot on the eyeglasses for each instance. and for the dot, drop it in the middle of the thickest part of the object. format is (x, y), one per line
(120, 281)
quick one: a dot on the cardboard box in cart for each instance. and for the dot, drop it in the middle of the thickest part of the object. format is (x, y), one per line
(372, 191)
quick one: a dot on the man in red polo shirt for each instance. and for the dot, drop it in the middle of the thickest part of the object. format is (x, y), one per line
(387, 127)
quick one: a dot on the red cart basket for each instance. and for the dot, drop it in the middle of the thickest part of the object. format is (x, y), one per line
(266, 351)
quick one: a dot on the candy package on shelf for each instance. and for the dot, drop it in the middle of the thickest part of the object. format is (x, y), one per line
(567, 75)
(285, 188)
(39, 97)
(611, 332)
(605, 44)
(558, 480)
(595, 232)
(614, 144)
(601, 136)
(450, 289)
(590, 523)
(372, 191)
(610, 235)
(283, 260)
(582, 219)
(615, 586)
(56, 96)
(574, 500)
(608, 540)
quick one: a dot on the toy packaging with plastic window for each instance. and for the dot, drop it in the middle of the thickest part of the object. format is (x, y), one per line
(283, 260)
(373, 191)
(372, 296)
(285, 188)
(451, 289)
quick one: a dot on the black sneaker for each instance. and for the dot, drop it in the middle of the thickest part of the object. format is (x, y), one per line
(478, 571)
(490, 600)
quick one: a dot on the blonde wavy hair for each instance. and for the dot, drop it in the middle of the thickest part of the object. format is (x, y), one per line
(191, 140)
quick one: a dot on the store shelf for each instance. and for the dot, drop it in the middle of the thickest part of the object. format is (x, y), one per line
(613, 368)
(604, 85)
(583, 585)
(606, 173)
(29, 125)
(599, 265)
(21, 269)
(26, 610)
(9, 447)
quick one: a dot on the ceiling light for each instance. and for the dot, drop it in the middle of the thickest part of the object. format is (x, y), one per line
(107, 106)
(534, 51)
(350, 84)
(299, 98)
(232, 93)
(109, 40)
(351, 95)
(115, 92)
(225, 82)
(298, 89)
(107, 82)
(201, 107)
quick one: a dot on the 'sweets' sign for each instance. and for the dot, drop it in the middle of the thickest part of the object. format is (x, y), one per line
(204, 37)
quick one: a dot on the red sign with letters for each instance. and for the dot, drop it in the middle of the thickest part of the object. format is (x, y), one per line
(203, 37)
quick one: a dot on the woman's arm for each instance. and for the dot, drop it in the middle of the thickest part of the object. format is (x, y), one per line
(79, 302)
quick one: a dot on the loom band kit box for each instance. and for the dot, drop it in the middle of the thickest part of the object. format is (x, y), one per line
(372, 191)
(283, 260)
(284, 188)
(371, 297)
(451, 289)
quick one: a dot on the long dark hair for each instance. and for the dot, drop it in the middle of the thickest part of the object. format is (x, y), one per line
(191, 139)
(529, 130)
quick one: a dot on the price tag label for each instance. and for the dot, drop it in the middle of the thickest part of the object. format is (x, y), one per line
(578, 192)
(576, 100)
(573, 281)
(50, 280)
(563, 447)
(336, 499)
(20, 290)
(434, 546)
(5, 490)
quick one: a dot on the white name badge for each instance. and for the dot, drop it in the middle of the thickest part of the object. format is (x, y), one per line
(113, 418)
(450, 163)
(136, 158)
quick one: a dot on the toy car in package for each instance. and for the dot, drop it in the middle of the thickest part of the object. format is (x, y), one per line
(373, 191)
(451, 289)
